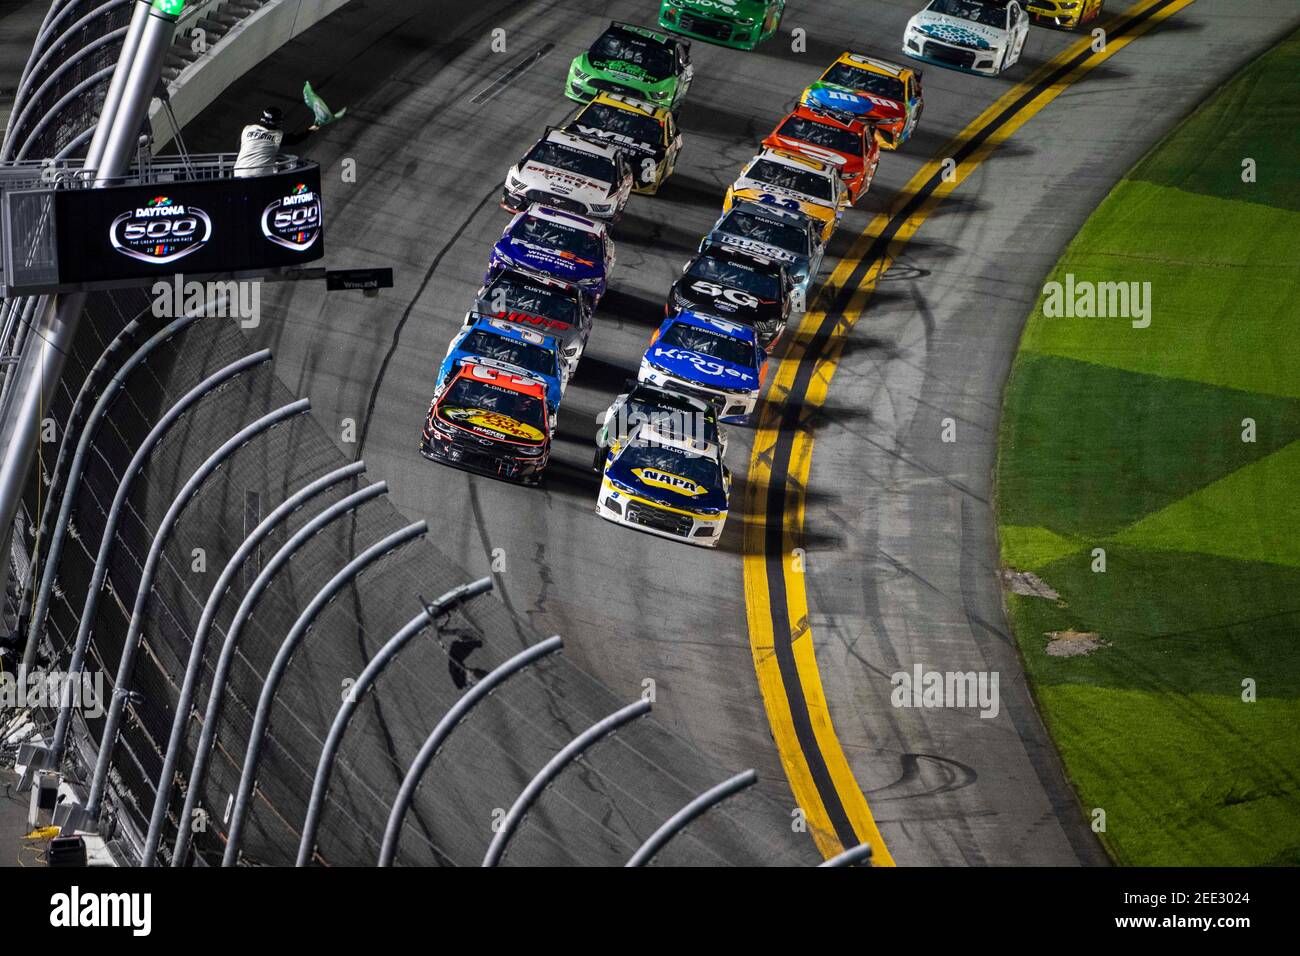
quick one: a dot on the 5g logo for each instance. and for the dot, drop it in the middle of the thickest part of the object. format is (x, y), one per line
(735, 297)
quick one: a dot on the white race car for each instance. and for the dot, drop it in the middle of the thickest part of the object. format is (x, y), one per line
(573, 173)
(977, 36)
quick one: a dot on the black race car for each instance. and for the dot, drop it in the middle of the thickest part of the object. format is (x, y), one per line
(735, 285)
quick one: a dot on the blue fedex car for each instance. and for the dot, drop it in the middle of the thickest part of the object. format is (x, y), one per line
(559, 245)
(719, 360)
(504, 345)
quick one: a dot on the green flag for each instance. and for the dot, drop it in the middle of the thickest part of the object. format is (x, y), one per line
(322, 113)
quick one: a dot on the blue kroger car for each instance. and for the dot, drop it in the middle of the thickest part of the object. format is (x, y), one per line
(716, 359)
(559, 245)
(781, 234)
(504, 345)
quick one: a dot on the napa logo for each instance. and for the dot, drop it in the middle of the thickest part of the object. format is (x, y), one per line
(668, 481)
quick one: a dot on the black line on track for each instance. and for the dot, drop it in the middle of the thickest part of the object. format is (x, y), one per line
(782, 627)
(493, 89)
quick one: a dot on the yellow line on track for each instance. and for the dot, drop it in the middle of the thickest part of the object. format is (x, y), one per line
(795, 700)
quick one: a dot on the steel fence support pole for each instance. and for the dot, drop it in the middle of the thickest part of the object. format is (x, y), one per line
(126, 664)
(679, 820)
(325, 766)
(216, 696)
(75, 471)
(110, 527)
(450, 721)
(850, 857)
(262, 718)
(113, 96)
(185, 702)
(567, 754)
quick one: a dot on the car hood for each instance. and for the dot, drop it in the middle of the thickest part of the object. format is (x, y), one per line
(757, 191)
(562, 182)
(869, 105)
(624, 71)
(666, 488)
(621, 140)
(730, 9)
(490, 425)
(562, 265)
(956, 30)
(761, 248)
(703, 369)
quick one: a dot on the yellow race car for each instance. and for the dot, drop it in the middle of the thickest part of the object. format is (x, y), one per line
(646, 134)
(1066, 14)
(792, 181)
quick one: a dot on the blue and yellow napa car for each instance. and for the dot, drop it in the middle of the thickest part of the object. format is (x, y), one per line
(666, 484)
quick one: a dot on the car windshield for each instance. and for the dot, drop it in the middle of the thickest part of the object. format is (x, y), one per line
(792, 178)
(556, 235)
(855, 78)
(710, 343)
(471, 393)
(533, 358)
(675, 422)
(573, 160)
(701, 470)
(736, 276)
(508, 293)
(637, 127)
(988, 14)
(654, 58)
(822, 134)
(783, 235)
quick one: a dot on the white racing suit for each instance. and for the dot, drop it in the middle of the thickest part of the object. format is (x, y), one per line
(259, 148)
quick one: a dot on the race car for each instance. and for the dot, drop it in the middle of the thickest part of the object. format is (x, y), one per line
(884, 93)
(716, 359)
(643, 63)
(669, 486)
(502, 344)
(780, 234)
(678, 414)
(740, 286)
(742, 24)
(792, 181)
(559, 245)
(839, 139)
(537, 302)
(977, 36)
(489, 421)
(569, 171)
(1066, 14)
(646, 134)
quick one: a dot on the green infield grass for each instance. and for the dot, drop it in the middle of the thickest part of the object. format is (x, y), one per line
(1170, 456)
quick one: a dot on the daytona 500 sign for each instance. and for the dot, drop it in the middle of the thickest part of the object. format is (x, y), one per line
(204, 227)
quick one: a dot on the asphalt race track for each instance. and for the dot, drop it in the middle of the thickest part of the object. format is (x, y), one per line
(901, 553)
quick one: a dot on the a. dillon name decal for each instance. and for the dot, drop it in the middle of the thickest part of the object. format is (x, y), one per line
(667, 480)
(160, 231)
(293, 221)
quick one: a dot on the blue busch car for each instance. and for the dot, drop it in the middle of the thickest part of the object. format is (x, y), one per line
(559, 245)
(781, 234)
(505, 345)
(716, 359)
(667, 484)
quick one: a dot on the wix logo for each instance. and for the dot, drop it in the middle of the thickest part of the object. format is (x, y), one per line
(76, 909)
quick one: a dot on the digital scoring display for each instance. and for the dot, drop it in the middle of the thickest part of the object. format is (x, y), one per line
(214, 226)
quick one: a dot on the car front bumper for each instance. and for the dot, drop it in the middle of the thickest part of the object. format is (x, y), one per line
(702, 531)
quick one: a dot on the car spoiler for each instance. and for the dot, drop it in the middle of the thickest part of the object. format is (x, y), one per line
(638, 28)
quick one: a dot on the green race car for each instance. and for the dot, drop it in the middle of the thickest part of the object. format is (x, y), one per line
(742, 24)
(649, 65)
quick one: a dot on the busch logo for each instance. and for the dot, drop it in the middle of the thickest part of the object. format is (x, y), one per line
(293, 221)
(161, 231)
